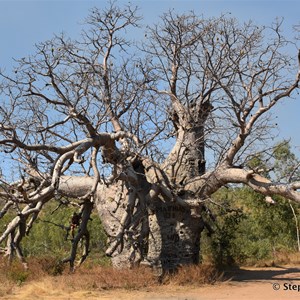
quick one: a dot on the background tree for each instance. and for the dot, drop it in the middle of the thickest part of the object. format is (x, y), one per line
(126, 129)
(248, 229)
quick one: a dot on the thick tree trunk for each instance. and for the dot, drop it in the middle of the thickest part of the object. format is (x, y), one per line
(174, 237)
(187, 159)
(111, 208)
(171, 232)
(157, 230)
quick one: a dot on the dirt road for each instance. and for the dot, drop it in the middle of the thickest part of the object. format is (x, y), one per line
(245, 284)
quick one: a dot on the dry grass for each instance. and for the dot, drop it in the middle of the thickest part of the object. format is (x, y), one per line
(45, 272)
(108, 278)
(93, 277)
(195, 275)
(48, 274)
(7, 280)
(279, 258)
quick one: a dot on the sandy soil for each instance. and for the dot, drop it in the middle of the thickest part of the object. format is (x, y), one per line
(251, 283)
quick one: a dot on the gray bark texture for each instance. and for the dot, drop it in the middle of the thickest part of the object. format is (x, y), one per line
(128, 135)
(174, 237)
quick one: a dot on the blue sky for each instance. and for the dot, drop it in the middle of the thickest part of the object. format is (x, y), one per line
(24, 23)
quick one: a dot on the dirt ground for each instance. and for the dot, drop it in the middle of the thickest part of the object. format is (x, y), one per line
(247, 283)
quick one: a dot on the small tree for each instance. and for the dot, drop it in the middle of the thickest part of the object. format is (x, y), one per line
(126, 129)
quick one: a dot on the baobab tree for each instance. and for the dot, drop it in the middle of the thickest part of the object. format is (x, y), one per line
(142, 131)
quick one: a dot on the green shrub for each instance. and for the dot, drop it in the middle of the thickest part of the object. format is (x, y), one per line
(248, 229)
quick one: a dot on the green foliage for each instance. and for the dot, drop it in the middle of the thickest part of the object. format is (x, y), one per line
(249, 229)
(256, 162)
(285, 162)
(223, 248)
(47, 238)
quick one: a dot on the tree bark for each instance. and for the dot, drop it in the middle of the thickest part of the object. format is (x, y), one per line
(187, 159)
(174, 237)
(150, 211)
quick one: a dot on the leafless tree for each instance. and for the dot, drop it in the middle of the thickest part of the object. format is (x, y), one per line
(145, 130)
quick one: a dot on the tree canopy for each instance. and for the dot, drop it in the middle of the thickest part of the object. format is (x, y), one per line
(137, 127)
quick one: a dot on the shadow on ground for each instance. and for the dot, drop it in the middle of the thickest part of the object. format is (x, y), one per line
(274, 273)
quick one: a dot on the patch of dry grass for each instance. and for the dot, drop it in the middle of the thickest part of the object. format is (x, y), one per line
(47, 276)
(55, 275)
(279, 258)
(195, 275)
(108, 278)
(8, 278)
